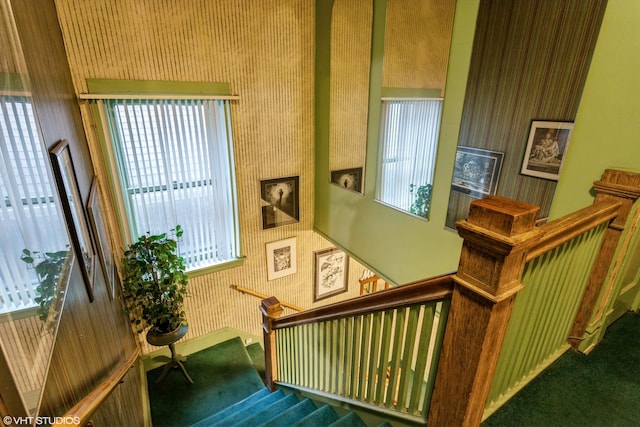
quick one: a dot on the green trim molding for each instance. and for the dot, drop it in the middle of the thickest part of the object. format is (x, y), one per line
(397, 92)
(14, 82)
(156, 87)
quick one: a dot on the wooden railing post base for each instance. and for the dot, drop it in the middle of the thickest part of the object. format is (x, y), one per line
(623, 187)
(497, 235)
(271, 310)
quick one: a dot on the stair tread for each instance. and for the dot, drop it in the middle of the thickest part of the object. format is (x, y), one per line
(349, 420)
(235, 413)
(244, 403)
(264, 412)
(322, 416)
(292, 414)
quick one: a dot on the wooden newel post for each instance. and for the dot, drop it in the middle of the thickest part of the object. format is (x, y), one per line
(497, 236)
(625, 188)
(271, 310)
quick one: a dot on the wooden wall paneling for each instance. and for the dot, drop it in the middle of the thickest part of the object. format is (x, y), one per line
(93, 338)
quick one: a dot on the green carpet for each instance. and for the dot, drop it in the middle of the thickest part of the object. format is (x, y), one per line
(222, 375)
(599, 389)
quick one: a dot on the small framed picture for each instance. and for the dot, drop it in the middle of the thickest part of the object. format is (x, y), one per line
(103, 243)
(281, 258)
(331, 271)
(351, 179)
(73, 208)
(280, 204)
(546, 149)
(476, 172)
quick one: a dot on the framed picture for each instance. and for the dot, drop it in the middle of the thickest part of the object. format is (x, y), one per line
(72, 206)
(351, 179)
(280, 204)
(103, 243)
(331, 271)
(476, 172)
(281, 258)
(546, 149)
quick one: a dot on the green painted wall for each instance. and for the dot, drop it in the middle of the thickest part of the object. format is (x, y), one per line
(400, 247)
(607, 127)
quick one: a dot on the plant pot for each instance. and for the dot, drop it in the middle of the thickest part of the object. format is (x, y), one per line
(165, 338)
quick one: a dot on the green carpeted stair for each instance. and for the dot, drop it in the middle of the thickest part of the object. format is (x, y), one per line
(278, 409)
(228, 390)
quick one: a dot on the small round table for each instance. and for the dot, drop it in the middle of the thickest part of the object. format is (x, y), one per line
(159, 340)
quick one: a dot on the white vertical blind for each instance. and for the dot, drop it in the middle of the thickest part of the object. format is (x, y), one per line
(29, 215)
(409, 141)
(175, 165)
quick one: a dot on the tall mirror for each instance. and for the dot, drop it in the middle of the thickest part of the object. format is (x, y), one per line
(416, 52)
(36, 257)
(349, 87)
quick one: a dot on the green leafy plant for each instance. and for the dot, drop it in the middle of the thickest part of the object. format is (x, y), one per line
(48, 267)
(154, 283)
(422, 200)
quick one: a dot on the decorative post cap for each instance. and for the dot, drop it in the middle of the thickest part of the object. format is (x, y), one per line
(503, 216)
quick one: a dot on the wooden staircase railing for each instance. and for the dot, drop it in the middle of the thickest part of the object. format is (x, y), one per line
(378, 350)
(263, 296)
(500, 237)
(81, 413)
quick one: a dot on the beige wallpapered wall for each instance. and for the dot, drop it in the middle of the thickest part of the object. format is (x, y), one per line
(349, 82)
(416, 44)
(265, 51)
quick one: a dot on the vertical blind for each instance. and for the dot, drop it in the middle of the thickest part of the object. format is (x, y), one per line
(29, 213)
(175, 166)
(409, 141)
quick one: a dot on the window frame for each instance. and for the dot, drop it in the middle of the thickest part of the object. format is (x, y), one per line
(103, 90)
(399, 95)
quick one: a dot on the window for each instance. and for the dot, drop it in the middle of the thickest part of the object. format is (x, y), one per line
(409, 140)
(174, 160)
(30, 216)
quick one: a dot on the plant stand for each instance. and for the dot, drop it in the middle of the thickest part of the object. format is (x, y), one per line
(170, 339)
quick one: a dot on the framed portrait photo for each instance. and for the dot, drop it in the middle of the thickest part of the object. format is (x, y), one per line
(350, 179)
(73, 208)
(476, 172)
(331, 271)
(103, 243)
(280, 201)
(546, 149)
(281, 258)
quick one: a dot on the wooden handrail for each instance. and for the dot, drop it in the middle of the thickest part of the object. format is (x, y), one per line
(431, 289)
(263, 296)
(81, 413)
(561, 230)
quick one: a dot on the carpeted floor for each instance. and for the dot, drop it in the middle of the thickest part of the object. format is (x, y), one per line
(601, 389)
(222, 375)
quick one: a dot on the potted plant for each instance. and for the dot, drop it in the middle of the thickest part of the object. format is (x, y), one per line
(48, 267)
(154, 286)
(422, 202)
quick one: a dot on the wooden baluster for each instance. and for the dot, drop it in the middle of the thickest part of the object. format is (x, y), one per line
(497, 235)
(623, 187)
(271, 310)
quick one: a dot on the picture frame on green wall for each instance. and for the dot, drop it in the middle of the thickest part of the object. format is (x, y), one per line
(350, 179)
(546, 149)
